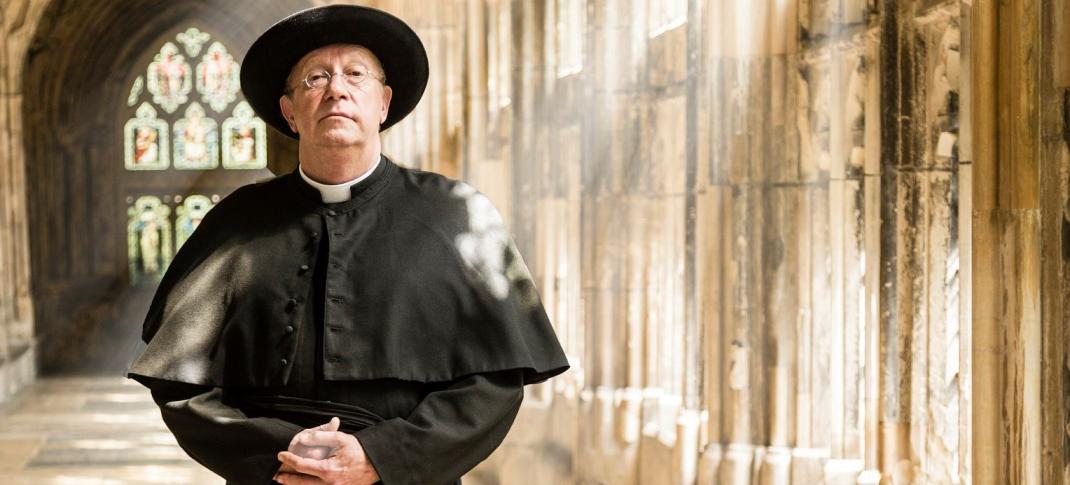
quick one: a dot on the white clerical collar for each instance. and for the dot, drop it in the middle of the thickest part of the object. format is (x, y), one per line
(339, 192)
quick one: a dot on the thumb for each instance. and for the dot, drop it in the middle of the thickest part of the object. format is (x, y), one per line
(331, 425)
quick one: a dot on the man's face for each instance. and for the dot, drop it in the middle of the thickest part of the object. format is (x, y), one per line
(337, 114)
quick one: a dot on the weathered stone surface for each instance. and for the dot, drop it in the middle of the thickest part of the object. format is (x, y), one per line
(18, 20)
(782, 242)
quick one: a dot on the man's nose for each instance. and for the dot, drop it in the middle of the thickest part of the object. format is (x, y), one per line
(337, 87)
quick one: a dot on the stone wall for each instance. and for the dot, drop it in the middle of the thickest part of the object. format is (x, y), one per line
(782, 242)
(752, 225)
(18, 20)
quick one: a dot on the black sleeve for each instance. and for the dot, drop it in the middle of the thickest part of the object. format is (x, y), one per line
(222, 438)
(449, 433)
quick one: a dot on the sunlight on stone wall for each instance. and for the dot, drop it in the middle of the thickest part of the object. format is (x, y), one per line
(700, 193)
(754, 225)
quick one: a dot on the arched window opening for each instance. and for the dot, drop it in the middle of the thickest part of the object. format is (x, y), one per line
(189, 117)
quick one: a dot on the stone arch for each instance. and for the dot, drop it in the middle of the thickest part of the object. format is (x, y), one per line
(77, 75)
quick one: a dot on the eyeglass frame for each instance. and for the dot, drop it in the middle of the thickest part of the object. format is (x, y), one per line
(330, 77)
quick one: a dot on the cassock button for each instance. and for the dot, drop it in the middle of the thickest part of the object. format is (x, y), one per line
(289, 329)
(315, 235)
(291, 304)
(284, 361)
(332, 213)
(304, 267)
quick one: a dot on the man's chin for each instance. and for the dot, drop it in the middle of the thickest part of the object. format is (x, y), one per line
(339, 138)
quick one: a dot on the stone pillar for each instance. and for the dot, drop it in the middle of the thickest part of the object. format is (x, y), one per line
(1008, 245)
(18, 21)
(1054, 172)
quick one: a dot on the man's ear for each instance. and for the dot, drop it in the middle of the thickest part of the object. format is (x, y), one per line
(387, 95)
(286, 105)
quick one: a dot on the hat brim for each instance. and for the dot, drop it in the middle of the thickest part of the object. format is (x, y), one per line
(270, 59)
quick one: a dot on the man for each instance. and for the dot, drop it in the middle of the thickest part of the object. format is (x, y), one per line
(353, 321)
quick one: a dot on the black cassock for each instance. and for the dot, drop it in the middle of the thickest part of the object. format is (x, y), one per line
(406, 311)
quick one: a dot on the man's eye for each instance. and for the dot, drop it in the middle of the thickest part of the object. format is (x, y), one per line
(355, 73)
(317, 77)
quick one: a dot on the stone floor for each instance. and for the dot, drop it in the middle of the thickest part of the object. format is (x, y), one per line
(90, 431)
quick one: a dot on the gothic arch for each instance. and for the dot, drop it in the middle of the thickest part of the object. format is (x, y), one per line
(78, 73)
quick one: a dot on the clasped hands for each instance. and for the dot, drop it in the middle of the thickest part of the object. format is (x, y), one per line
(324, 455)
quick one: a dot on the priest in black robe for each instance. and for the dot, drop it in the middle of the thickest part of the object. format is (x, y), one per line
(353, 321)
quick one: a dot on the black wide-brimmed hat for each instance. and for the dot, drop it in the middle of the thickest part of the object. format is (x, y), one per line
(270, 59)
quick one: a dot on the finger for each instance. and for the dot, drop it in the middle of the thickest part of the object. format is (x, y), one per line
(321, 438)
(314, 452)
(298, 479)
(304, 441)
(307, 466)
(284, 468)
(331, 425)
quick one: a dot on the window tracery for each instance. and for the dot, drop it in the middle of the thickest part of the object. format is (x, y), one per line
(187, 119)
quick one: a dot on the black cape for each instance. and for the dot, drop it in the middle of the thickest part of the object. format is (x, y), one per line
(423, 284)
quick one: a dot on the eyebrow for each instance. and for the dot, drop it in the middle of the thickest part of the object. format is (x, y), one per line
(321, 65)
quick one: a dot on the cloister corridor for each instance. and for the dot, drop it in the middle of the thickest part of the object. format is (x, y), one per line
(781, 242)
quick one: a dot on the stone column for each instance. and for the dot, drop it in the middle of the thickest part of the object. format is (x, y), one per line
(1007, 243)
(1054, 152)
(18, 20)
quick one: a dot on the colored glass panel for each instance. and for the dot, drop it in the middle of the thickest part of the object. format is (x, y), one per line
(169, 78)
(244, 140)
(146, 141)
(217, 77)
(193, 39)
(189, 216)
(196, 140)
(148, 238)
(135, 91)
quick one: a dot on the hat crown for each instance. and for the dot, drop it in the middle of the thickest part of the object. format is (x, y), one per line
(270, 59)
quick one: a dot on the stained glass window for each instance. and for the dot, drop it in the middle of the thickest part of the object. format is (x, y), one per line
(146, 141)
(217, 77)
(196, 140)
(244, 139)
(189, 216)
(188, 116)
(135, 91)
(169, 78)
(200, 138)
(193, 39)
(148, 237)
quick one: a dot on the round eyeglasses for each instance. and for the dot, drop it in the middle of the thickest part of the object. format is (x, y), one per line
(353, 76)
